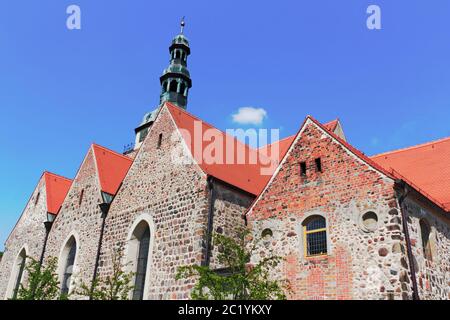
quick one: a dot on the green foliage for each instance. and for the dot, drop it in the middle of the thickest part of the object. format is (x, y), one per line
(42, 281)
(242, 282)
(115, 287)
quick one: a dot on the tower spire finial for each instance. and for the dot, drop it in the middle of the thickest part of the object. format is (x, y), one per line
(182, 25)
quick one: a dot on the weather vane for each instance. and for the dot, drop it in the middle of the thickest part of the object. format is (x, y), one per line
(182, 25)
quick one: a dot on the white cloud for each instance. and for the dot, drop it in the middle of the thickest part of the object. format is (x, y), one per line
(250, 115)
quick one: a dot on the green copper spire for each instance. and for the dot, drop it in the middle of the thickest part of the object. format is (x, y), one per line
(176, 80)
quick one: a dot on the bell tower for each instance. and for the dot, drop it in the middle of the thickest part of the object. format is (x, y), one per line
(175, 84)
(176, 79)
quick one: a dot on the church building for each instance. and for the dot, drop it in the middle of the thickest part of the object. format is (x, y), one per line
(347, 226)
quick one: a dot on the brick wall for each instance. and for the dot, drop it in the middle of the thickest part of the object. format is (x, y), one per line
(360, 264)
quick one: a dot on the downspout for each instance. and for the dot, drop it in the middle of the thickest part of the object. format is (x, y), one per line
(403, 194)
(48, 226)
(104, 207)
(209, 230)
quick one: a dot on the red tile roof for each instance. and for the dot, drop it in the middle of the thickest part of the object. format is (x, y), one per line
(56, 189)
(426, 167)
(246, 176)
(112, 168)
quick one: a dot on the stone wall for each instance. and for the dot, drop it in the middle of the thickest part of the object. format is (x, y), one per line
(174, 199)
(361, 263)
(80, 217)
(29, 233)
(229, 206)
(433, 275)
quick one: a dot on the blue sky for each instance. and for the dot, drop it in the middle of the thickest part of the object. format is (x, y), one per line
(60, 90)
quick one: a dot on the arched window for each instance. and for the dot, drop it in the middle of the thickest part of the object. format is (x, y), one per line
(315, 236)
(69, 254)
(425, 231)
(173, 86)
(20, 268)
(164, 87)
(177, 54)
(142, 238)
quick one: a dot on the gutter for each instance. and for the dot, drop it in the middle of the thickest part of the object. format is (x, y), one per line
(403, 194)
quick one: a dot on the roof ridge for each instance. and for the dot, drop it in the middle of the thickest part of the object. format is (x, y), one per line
(112, 151)
(210, 125)
(57, 175)
(285, 138)
(422, 145)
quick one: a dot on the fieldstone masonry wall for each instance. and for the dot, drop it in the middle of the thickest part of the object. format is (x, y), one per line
(360, 264)
(81, 218)
(176, 199)
(29, 233)
(433, 276)
(229, 207)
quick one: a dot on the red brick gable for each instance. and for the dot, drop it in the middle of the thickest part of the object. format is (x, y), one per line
(339, 146)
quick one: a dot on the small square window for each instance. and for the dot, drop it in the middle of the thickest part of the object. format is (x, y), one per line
(303, 168)
(318, 162)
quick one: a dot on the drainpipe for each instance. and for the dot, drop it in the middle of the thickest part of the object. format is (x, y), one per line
(104, 207)
(403, 194)
(48, 226)
(209, 229)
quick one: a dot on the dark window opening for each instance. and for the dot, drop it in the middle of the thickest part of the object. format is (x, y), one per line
(426, 244)
(144, 245)
(68, 270)
(173, 86)
(303, 168)
(143, 135)
(81, 197)
(37, 198)
(160, 140)
(318, 165)
(182, 88)
(177, 54)
(266, 234)
(164, 86)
